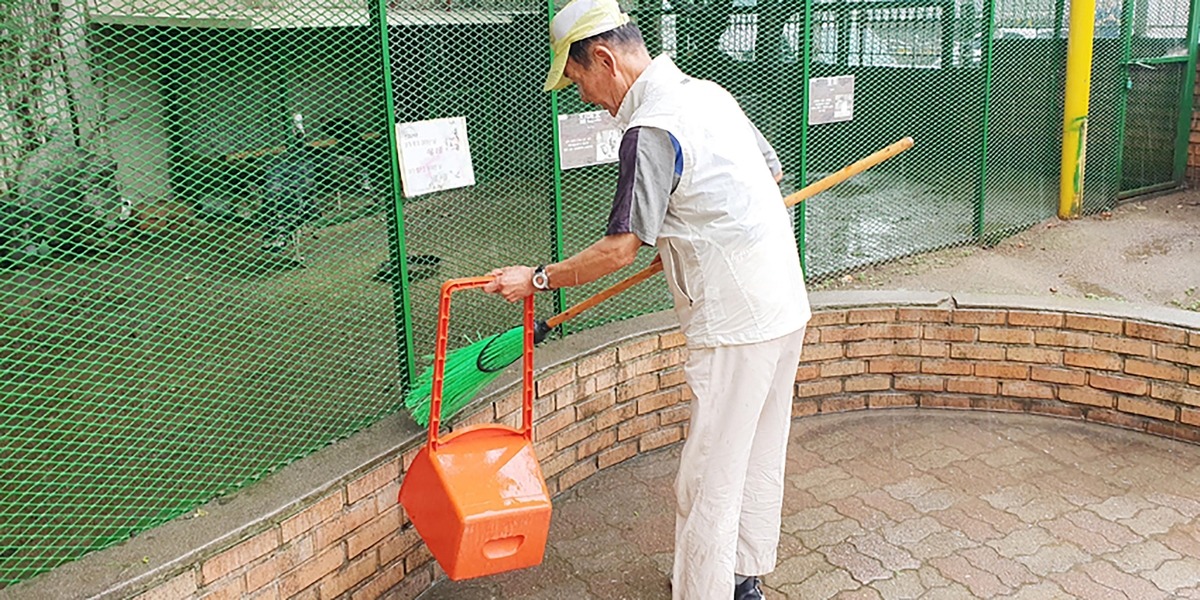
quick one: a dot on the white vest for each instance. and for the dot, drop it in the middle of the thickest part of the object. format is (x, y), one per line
(727, 244)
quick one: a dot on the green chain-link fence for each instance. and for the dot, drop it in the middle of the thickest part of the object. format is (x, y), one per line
(208, 267)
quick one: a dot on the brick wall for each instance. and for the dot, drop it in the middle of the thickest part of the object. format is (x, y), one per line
(609, 405)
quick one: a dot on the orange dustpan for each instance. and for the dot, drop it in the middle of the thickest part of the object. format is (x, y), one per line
(477, 496)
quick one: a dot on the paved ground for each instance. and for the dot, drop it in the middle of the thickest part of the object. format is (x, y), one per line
(1146, 251)
(909, 504)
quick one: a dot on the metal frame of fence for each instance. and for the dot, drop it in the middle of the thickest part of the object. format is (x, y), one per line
(209, 268)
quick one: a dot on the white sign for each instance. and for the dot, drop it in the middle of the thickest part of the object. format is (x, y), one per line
(588, 138)
(434, 155)
(831, 99)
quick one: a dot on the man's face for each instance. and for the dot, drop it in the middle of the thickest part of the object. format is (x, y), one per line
(596, 83)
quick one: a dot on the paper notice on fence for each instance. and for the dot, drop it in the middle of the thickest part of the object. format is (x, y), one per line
(831, 99)
(588, 138)
(434, 155)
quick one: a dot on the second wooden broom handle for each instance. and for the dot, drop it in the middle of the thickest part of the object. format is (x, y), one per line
(793, 199)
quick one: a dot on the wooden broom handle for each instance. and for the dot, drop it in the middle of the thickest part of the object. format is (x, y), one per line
(793, 199)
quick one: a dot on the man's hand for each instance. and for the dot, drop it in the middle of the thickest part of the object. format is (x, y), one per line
(513, 283)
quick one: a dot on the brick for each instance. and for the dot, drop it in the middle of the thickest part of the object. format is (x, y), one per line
(1033, 355)
(614, 415)
(574, 434)
(660, 438)
(891, 400)
(674, 339)
(352, 575)
(999, 404)
(1097, 324)
(933, 349)
(898, 332)
(1065, 339)
(895, 365)
(925, 383)
(630, 351)
(1021, 318)
(658, 401)
(978, 317)
(925, 315)
(871, 315)
(637, 427)
(949, 334)
(1155, 370)
(599, 381)
(843, 368)
(575, 474)
(596, 363)
(566, 397)
(1025, 389)
(868, 383)
(1001, 370)
(639, 386)
(557, 463)
(595, 404)
(240, 555)
(1189, 416)
(827, 317)
(1177, 354)
(967, 385)
(373, 531)
(369, 483)
(596, 443)
(847, 334)
(1085, 396)
(310, 572)
(976, 352)
(483, 414)
(418, 558)
(507, 405)
(1194, 377)
(821, 387)
(398, 544)
(1056, 410)
(1001, 335)
(553, 382)
(305, 520)
(946, 367)
(553, 424)
(908, 347)
(616, 454)
(944, 401)
(1052, 375)
(1092, 360)
(232, 589)
(1146, 408)
(675, 415)
(1132, 387)
(354, 517)
(808, 372)
(1158, 333)
(386, 580)
(1123, 346)
(1174, 430)
(815, 352)
(804, 408)
(812, 336)
(862, 349)
(1172, 393)
(671, 378)
(836, 405)
(183, 586)
(1194, 339)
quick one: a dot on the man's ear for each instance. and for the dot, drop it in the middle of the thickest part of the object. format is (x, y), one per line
(604, 55)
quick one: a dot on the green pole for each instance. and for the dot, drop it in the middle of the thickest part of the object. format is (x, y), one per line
(400, 292)
(987, 106)
(805, 73)
(559, 252)
(1186, 98)
(1125, 83)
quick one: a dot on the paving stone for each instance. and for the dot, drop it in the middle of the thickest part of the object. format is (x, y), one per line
(1022, 542)
(1154, 520)
(861, 567)
(1079, 585)
(981, 583)
(1104, 573)
(941, 543)
(1010, 572)
(1038, 591)
(1142, 557)
(821, 586)
(1042, 509)
(912, 530)
(810, 519)
(1174, 575)
(904, 585)
(913, 487)
(1120, 507)
(1054, 558)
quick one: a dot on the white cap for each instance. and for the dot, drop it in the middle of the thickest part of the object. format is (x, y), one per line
(581, 19)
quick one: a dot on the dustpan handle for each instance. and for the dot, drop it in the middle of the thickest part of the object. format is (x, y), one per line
(439, 358)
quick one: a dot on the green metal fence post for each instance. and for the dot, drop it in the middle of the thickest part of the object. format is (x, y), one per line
(1187, 97)
(1125, 82)
(398, 255)
(559, 251)
(805, 73)
(990, 32)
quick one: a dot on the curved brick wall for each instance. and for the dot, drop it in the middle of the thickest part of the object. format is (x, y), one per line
(600, 402)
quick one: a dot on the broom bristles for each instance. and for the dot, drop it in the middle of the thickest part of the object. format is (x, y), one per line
(464, 376)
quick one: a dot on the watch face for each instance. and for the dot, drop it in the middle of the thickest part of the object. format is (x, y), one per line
(540, 280)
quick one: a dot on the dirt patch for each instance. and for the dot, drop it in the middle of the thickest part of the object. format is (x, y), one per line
(1146, 251)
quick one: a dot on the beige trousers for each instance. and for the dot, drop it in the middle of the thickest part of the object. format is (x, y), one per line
(729, 490)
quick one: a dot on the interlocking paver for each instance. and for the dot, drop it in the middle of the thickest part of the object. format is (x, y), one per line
(1029, 507)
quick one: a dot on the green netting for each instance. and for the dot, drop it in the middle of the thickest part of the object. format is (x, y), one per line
(202, 272)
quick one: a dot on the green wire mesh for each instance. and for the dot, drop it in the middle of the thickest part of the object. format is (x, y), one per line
(202, 276)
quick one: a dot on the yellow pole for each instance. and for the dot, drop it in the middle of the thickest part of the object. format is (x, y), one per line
(1075, 108)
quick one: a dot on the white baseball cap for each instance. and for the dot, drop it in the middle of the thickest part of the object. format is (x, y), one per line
(581, 19)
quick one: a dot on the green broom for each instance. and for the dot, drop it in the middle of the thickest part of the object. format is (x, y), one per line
(470, 368)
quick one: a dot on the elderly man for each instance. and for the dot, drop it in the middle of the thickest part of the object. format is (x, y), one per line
(697, 180)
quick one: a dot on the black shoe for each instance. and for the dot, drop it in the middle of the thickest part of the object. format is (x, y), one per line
(748, 590)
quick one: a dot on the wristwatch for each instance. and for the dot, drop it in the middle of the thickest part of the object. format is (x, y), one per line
(541, 281)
